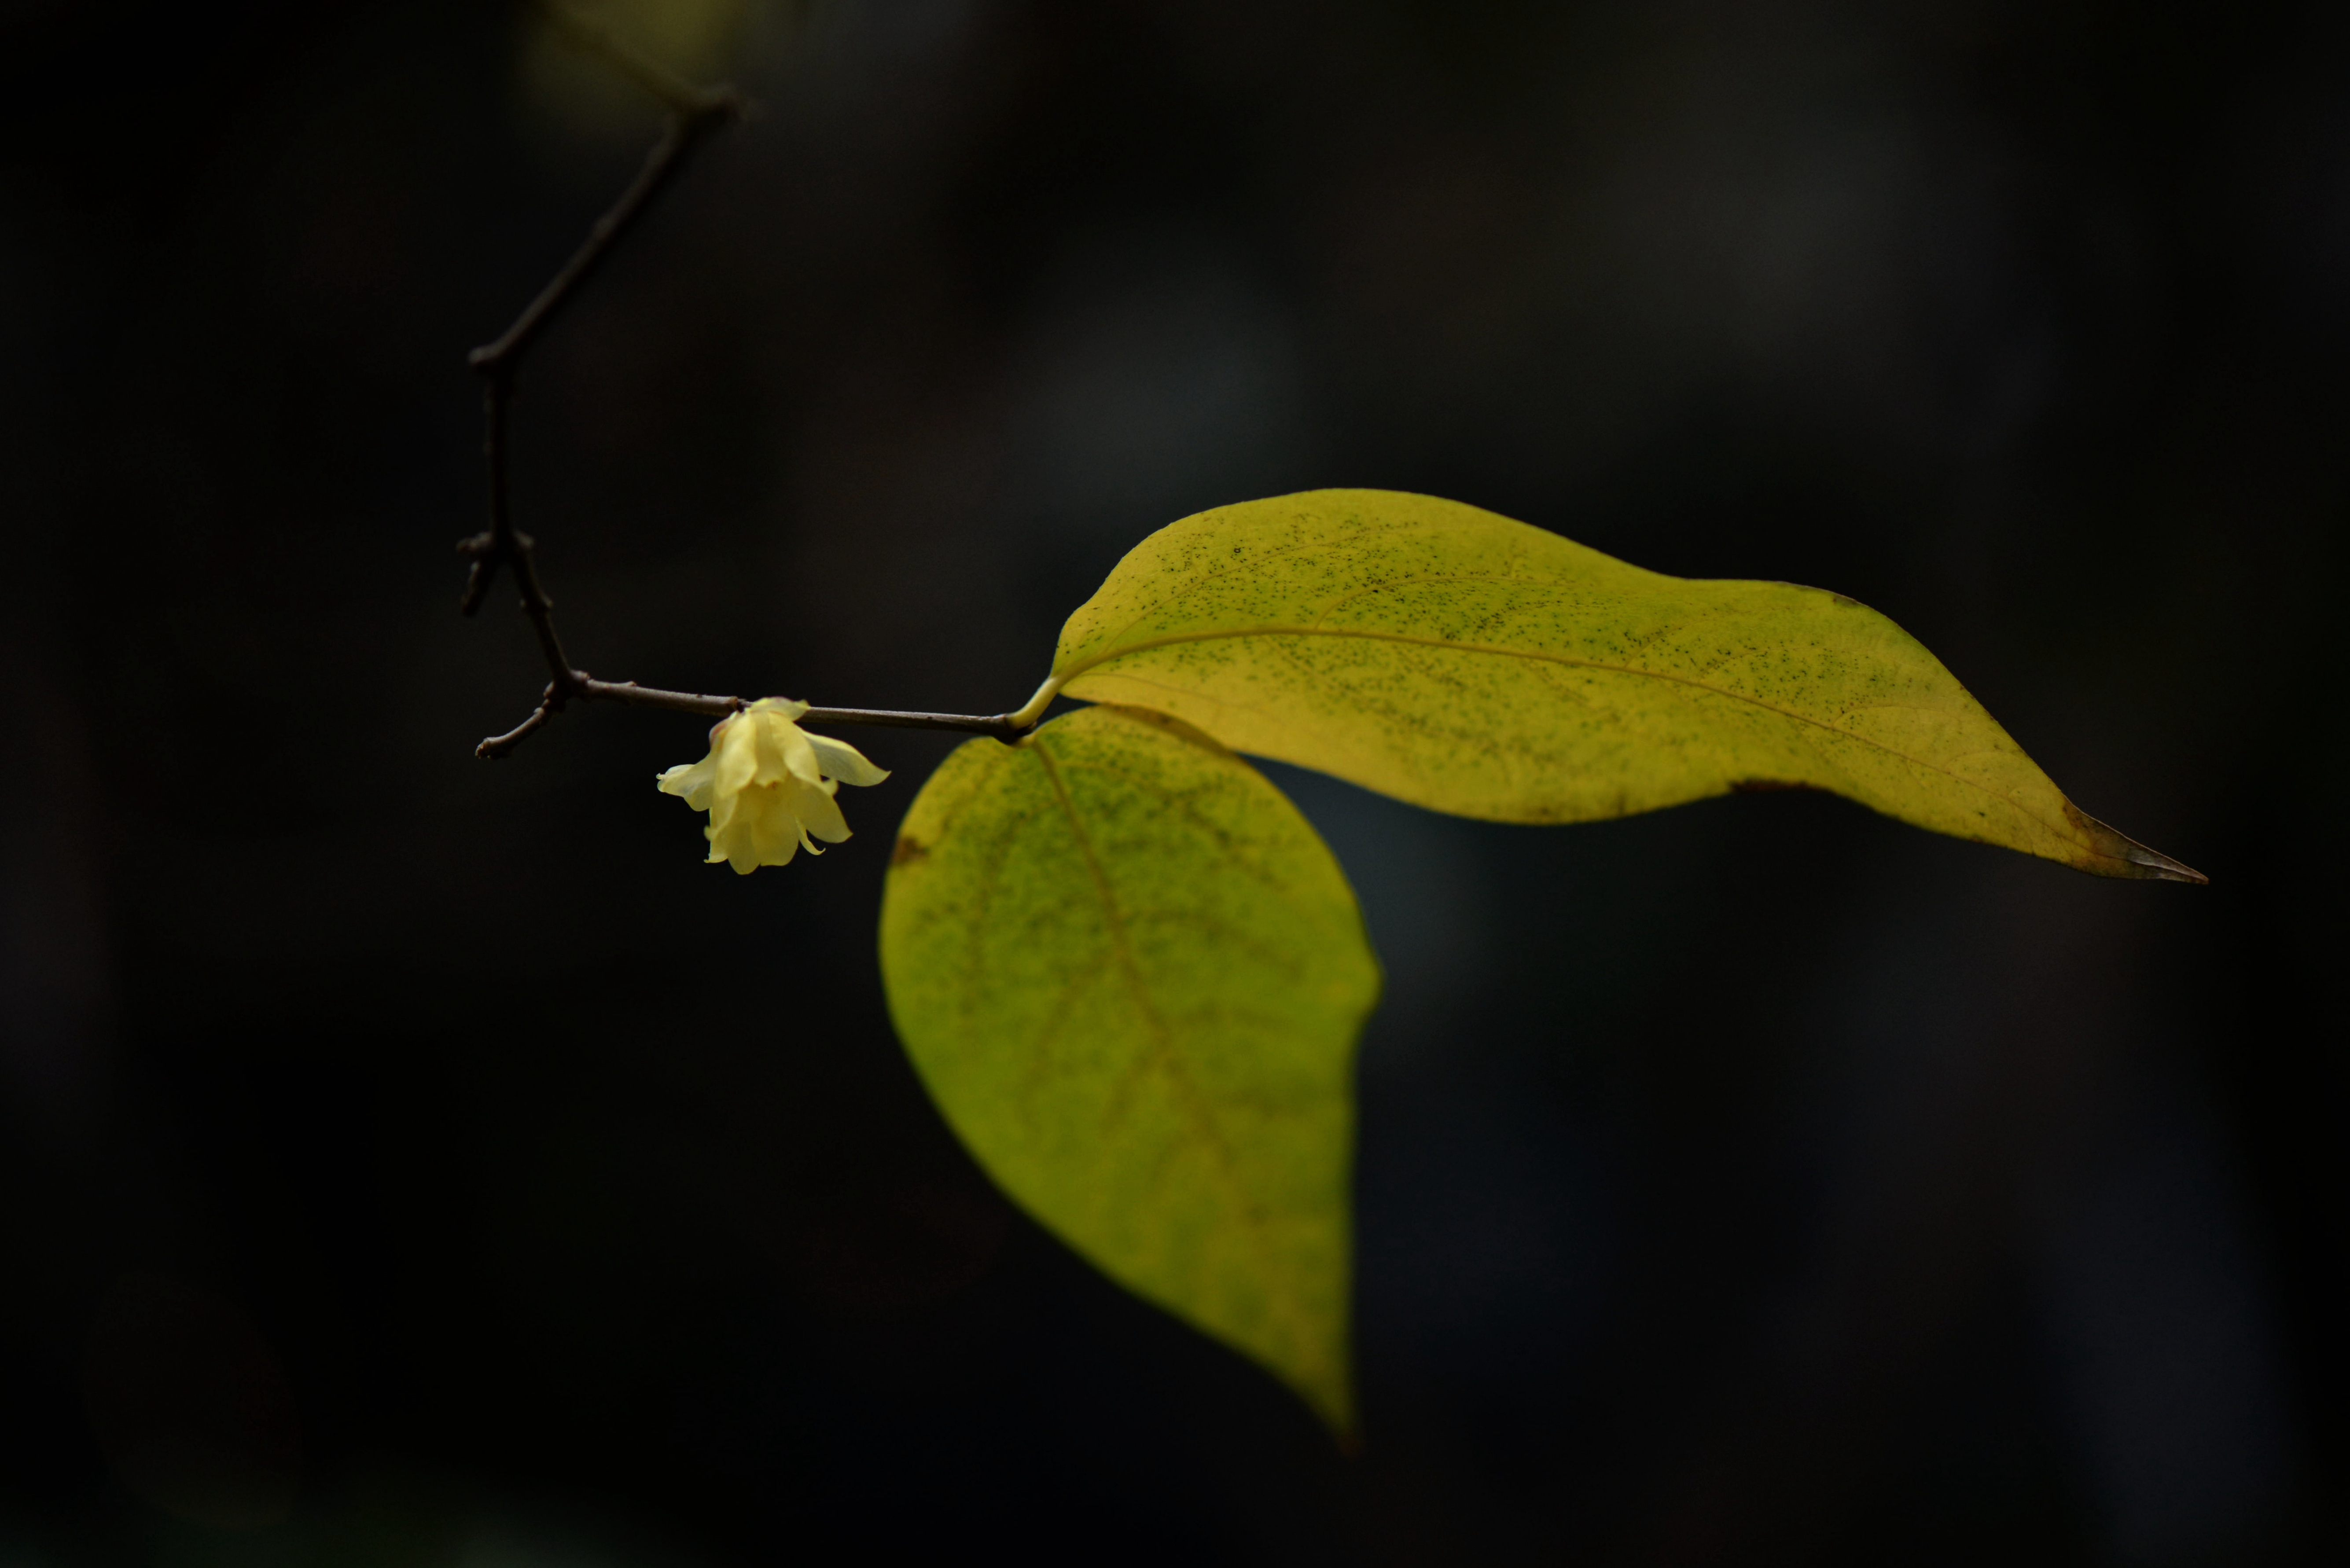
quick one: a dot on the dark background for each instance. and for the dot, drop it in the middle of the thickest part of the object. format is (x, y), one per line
(407, 1160)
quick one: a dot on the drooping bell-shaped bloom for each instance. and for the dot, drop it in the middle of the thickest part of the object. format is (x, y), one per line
(768, 785)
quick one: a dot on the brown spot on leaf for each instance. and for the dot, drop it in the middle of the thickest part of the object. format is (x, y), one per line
(909, 850)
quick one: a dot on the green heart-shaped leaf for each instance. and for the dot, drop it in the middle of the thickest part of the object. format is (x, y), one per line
(1133, 977)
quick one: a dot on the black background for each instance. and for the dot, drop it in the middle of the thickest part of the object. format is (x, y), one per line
(409, 1161)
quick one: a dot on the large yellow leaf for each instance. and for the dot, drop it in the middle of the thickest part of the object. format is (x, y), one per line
(1472, 664)
(1133, 977)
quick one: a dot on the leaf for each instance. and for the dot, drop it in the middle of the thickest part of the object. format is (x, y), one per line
(1472, 664)
(1132, 976)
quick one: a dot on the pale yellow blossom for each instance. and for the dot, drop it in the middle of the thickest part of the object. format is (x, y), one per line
(768, 785)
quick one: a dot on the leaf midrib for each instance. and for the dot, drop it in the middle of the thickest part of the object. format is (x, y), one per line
(1114, 919)
(1174, 639)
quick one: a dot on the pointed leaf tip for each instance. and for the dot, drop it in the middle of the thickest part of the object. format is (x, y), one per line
(2112, 853)
(1468, 663)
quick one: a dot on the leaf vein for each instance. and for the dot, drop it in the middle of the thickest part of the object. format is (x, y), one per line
(1407, 640)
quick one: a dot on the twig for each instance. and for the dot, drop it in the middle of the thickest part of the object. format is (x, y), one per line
(1002, 726)
(694, 113)
(692, 121)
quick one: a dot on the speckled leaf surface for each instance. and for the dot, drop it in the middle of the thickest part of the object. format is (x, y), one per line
(1133, 977)
(1468, 663)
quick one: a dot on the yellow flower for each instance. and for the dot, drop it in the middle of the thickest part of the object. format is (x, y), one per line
(767, 785)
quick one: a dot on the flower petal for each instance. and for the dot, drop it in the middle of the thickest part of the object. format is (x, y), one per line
(819, 814)
(775, 831)
(735, 754)
(798, 752)
(689, 780)
(844, 762)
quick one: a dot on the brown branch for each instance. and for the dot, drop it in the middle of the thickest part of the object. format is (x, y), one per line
(1002, 726)
(1006, 727)
(694, 113)
(698, 114)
